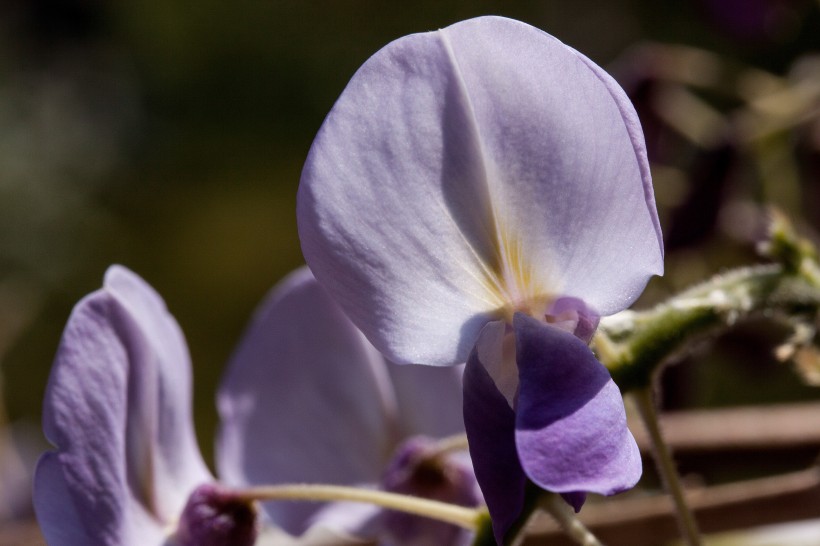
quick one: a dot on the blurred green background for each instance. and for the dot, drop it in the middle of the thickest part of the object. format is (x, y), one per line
(169, 136)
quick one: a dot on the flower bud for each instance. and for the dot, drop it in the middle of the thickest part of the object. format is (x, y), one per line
(215, 516)
(418, 469)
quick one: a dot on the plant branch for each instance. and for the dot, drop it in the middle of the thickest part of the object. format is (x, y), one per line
(634, 344)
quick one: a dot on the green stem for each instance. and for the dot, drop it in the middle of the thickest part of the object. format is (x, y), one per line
(467, 518)
(633, 345)
(554, 505)
(666, 466)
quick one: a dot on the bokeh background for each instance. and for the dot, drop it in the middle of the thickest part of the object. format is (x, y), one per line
(169, 136)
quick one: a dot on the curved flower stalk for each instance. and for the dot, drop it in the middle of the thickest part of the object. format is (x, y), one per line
(307, 399)
(481, 193)
(127, 470)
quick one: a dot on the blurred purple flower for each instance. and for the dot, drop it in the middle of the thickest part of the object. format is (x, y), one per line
(118, 410)
(482, 194)
(127, 469)
(305, 377)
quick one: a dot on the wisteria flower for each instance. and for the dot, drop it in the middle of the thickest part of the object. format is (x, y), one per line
(481, 193)
(127, 469)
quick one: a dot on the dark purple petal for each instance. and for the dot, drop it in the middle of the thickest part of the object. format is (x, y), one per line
(117, 408)
(490, 424)
(214, 516)
(571, 428)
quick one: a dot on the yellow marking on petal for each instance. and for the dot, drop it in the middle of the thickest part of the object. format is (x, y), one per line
(512, 278)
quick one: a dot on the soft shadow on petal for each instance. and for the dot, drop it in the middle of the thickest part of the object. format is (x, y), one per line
(490, 424)
(571, 428)
(117, 408)
(305, 399)
(393, 212)
(160, 420)
(429, 398)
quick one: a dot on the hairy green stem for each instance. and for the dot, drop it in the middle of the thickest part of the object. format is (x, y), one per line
(633, 345)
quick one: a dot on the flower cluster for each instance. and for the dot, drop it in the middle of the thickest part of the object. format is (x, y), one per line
(480, 195)
(305, 399)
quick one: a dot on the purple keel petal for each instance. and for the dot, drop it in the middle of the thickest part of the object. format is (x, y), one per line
(305, 399)
(490, 424)
(571, 428)
(117, 408)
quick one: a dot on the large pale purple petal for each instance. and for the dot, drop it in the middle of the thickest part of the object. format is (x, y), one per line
(472, 171)
(429, 399)
(571, 428)
(490, 424)
(305, 399)
(117, 408)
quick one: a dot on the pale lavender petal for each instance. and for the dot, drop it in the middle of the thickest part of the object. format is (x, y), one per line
(571, 428)
(429, 398)
(568, 174)
(59, 516)
(472, 171)
(490, 424)
(70, 516)
(354, 520)
(305, 399)
(117, 408)
(160, 392)
(393, 213)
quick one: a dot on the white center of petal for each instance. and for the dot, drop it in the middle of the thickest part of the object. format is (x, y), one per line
(513, 281)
